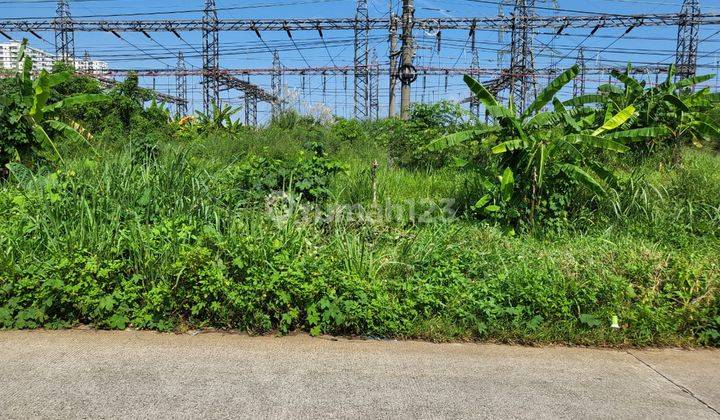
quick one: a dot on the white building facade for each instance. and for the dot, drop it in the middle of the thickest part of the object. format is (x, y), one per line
(43, 60)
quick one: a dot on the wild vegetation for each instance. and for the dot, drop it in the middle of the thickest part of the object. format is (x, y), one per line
(594, 220)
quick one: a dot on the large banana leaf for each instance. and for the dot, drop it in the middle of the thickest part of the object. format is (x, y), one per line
(542, 158)
(54, 79)
(694, 80)
(583, 177)
(75, 100)
(611, 89)
(551, 119)
(454, 139)
(586, 99)
(508, 146)
(499, 111)
(638, 134)
(616, 121)
(706, 130)
(45, 140)
(507, 184)
(569, 120)
(598, 142)
(480, 92)
(679, 104)
(629, 82)
(68, 132)
(551, 90)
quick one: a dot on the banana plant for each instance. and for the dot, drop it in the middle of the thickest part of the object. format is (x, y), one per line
(536, 143)
(41, 115)
(219, 118)
(670, 110)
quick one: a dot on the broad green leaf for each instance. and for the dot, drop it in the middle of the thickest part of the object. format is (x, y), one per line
(692, 81)
(482, 202)
(629, 82)
(44, 140)
(677, 102)
(454, 139)
(542, 156)
(586, 99)
(68, 131)
(569, 120)
(608, 88)
(583, 177)
(637, 134)
(499, 111)
(55, 79)
(507, 184)
(508, 146)
(77, 100)
(599, 142)
(480, 92)
(616, 121)
(551, 90)
(707, 130)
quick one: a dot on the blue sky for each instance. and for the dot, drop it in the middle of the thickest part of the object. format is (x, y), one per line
(244, 50)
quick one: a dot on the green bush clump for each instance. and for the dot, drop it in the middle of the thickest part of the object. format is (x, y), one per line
(406, 140)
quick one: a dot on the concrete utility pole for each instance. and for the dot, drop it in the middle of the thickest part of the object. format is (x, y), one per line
(393, 62)
(64, 34)
(407, 70)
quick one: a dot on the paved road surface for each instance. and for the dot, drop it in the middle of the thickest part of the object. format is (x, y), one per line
(91, 374)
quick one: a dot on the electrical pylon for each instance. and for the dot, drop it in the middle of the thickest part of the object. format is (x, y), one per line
(64, 33)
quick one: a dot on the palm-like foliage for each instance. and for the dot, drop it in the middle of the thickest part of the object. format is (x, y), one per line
(39, 114)
(669, 110)
(536, 143)
(219, 118)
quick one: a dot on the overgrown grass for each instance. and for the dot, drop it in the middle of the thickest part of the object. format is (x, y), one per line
(178, 243)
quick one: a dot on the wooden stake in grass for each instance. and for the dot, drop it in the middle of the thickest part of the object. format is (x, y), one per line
(373, 178)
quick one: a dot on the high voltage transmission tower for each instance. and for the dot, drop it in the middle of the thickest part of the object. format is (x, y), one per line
(474, 65)
(688, 39)
(374, 87)
(523, 81)
(181, 86)
(518, 77)
(210, 57)
(579, 81)
(362, 56)
(276, 83)
(64, 34)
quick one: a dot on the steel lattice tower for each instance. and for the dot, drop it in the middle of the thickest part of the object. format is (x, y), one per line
(579, 81)
(362, 56)
(374, 85)
(64, 34)
(276, 83)
(181, 86)
(211, 57)
(474, 65)
(688, 39)
(522, 64)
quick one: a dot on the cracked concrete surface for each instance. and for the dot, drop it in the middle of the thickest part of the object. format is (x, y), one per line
(90, 374)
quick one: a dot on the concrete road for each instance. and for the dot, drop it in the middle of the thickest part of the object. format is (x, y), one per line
(90, 374)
